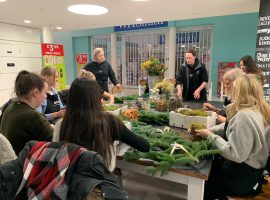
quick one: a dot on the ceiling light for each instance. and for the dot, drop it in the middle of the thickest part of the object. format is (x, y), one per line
(86, 9)
(58, 27)
(2, 1)
(139, 19)
(27, 21)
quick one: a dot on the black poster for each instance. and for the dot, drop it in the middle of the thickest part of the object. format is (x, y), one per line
(263, 44)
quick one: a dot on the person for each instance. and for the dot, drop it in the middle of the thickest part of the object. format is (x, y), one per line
(248, 66)
(101, 69)
(85, 123)
(192, 79)
(228, 79)
(21, 122)
(245, 145)
(86, 74)
(52, 106)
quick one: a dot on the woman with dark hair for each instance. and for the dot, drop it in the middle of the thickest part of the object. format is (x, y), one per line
(248, 66)
(192, 79)
(21, 122)
(85, 123)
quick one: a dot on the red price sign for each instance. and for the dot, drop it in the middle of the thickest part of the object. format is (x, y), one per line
(52, 49)
(82, 59)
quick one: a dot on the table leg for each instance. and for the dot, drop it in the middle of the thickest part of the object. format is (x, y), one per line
(195, 188)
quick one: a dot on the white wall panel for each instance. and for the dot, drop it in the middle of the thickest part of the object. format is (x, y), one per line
(20, 49)
(32, 64)
(10, 64)
(30, 50)
(9, 50)
(5, 95)
(7, 81)
(19, 33)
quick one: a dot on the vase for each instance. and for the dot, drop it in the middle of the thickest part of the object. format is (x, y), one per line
(152, 80)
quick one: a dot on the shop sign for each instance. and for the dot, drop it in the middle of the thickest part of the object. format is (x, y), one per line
(263, 44)
(132, 27)
(183, 38)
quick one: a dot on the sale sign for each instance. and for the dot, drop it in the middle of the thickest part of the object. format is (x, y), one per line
(81, 61)
(53, 56)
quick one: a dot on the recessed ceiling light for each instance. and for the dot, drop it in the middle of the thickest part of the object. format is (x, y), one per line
(2, 1)
(27, 21)
(86, 9)
(58, 27)
(139, 19)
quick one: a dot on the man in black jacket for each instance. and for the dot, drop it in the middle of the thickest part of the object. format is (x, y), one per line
(193, 76)
(101, 69)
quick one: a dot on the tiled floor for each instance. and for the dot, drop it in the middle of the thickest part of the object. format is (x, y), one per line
(142, 187)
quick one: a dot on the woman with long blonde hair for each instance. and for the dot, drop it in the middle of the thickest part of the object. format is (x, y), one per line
(245, 146)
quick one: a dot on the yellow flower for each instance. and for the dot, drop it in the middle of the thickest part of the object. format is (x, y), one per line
(166, 86)
(153, 67)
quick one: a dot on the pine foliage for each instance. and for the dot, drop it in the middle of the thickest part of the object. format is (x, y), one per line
(161, 147)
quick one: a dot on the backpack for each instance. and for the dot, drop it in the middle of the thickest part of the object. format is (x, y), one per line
(90, 174)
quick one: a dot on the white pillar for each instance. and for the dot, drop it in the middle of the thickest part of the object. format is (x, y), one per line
(114, 53)
(47, 33)
(170, 60)
(124, 67)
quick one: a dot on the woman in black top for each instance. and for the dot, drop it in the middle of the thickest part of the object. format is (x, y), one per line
(101, 69)
(85, 122)
(192, 79)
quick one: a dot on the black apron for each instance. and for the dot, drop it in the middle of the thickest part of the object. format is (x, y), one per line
(53, 103)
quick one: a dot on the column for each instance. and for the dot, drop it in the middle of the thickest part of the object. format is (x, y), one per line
(47, 34)
(114, 53)
(171, 48)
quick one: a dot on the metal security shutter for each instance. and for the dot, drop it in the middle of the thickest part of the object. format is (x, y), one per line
(102, 42)
(137, 48)
(198, 38)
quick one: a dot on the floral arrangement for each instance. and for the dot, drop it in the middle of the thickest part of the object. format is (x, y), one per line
(153, 67)
(165, 86)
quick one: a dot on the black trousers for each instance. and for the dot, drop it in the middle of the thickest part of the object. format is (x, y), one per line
(230, 178)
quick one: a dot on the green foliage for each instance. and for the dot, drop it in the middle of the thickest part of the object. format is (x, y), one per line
(122, 99)
(110, 107)
(160, 149)
(155, 118)
(198, 112)
(197, 126)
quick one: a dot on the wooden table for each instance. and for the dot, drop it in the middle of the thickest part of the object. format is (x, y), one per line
(193, 176)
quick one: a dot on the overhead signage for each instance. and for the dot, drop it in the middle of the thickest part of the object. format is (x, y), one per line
(132, 27)
(183, 38)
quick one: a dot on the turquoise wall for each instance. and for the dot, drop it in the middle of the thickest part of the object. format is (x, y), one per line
(233, 37)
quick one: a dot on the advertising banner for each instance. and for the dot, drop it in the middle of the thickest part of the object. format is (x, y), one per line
(53, 56)
(81, 61)
(263, 44)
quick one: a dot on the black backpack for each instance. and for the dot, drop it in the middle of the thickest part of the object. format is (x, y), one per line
(88, 173)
